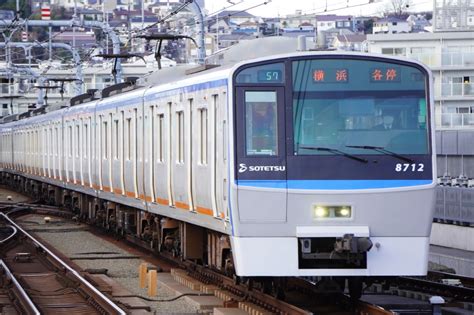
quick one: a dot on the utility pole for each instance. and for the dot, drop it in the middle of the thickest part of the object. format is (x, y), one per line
(50, 44)
(143, 14)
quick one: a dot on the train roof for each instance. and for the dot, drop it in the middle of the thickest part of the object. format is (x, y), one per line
(224, 59)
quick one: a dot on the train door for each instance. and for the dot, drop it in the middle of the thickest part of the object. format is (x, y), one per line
(68, 150)
(77, 151)
(106, 151)
(160, 155)
(86, 153)
(261, 154)
(148, 151)
(181, 155)
(130, 152)
(140, 151)
(117, 152)
(219, 155)
(200, 172)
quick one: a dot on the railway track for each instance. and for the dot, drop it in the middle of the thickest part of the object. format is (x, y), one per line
(244, 294)
(454, 287)
(36, 281)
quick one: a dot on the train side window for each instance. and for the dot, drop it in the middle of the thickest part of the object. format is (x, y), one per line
(161, 121)
(56, 130)
(86, 140)
(203, 137)
(261, 131)
(70, 141)
(78, 143)
(116, 142)
(180, 116)
(105, 131)
(127, 141)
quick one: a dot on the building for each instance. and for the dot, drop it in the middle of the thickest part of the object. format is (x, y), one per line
(450, 55)
(331, 21)
(236, 17)
(418, 23)
(350, 42)
(391, 25)
(453, 15)
(296, 19)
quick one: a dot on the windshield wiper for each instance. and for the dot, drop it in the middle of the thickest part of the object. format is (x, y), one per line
(336, 151)
(381, 150)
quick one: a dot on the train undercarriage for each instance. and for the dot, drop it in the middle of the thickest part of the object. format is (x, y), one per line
(163, 235)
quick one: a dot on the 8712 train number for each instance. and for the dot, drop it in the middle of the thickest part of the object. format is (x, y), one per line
(409, 167)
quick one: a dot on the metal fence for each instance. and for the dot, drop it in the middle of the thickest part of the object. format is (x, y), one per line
(454, 205)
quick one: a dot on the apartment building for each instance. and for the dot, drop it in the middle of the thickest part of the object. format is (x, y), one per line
(450, 55)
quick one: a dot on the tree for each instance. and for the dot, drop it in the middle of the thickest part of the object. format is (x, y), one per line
(25, 9)
(368, 26)
(397, 8)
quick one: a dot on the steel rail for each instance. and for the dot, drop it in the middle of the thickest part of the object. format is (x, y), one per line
(456, 292)
(67, 267)
(11, 235)
(32, 309)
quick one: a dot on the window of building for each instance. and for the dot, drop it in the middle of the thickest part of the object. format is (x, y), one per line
(394, 51)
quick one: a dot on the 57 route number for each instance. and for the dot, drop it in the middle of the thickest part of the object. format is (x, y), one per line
(407, 167)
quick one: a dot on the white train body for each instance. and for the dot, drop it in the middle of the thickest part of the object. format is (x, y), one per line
(183, 149)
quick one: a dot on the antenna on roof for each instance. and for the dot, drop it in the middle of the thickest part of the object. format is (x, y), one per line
(116, 57)
(160, 37)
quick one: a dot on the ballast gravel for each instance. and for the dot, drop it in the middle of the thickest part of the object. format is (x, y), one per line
(75, 242)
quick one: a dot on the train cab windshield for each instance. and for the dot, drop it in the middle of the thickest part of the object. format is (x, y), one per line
(332, 117)
(358, 107)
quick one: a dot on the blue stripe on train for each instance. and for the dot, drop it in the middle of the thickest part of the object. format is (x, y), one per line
(333, 184)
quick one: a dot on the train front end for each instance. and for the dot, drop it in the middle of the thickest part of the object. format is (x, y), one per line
(333, 166)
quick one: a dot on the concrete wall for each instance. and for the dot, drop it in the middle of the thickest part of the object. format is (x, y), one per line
(452, 236)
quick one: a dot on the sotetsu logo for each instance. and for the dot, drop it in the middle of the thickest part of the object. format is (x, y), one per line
(242, 167)
(261, 168)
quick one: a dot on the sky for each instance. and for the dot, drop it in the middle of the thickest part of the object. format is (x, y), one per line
(342, 7)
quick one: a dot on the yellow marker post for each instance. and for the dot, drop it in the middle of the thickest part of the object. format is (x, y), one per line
(142, 275)
(152, 277)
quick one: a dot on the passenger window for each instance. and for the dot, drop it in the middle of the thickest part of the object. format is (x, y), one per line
(105, 131)
(78, 141)
(261, 123)
(127, 141)
(161, 121)
(203, 136)
(180, 116)
(116, 142)
(70, 141)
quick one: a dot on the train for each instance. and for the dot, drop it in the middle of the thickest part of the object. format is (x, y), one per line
(301, 163)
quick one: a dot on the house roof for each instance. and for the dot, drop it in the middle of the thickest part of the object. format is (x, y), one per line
(147, 19)
(231, 13)
(353, 38)
(248, 23)
(235, 37)
(390, 19)
(332, 17)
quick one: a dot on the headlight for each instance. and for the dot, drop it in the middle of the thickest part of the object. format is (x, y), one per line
(344, 212)
(321, 212)
(332, 212)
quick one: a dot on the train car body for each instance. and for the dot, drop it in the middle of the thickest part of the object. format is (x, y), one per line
(286, 157)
